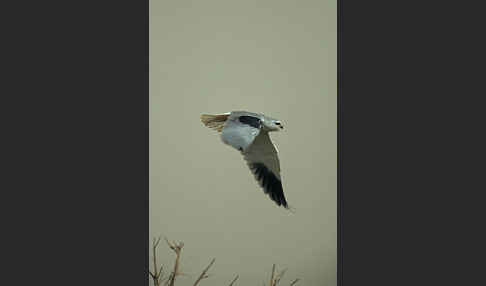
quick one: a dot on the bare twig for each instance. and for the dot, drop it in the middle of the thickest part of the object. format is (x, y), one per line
(169, 280)
(271, 277)
(157, 274)
(166, 280)
(203, 274)
(232, 282)
(177, 249)
(279, 276)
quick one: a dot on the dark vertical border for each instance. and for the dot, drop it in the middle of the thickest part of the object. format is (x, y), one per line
(75, 180)
(146, 125)
(408, 135)
(339, 145)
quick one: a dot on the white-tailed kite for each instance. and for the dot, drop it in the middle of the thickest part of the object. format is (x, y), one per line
(247, 132)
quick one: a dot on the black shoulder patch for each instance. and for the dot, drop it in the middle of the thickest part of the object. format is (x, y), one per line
(250, 120)
(270, 183)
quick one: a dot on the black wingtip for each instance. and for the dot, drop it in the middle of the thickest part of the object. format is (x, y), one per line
(270, 183)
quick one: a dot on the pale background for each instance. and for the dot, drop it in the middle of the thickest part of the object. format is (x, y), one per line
(214, 56)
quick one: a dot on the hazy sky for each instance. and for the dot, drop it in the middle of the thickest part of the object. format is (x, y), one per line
(275, 57)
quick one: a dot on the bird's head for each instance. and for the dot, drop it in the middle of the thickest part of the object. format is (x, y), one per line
(271, 124)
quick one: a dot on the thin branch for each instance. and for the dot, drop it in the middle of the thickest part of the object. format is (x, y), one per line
(231, 284)
(160, 270)
(177, 249)
(154, 250)
(203, 274)
(156, 242)
(295, 281)
(167, 279)
(271, 277)
(279, 276)
(157, 274)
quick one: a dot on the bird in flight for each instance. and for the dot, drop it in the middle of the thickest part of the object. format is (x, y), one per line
(247, 132)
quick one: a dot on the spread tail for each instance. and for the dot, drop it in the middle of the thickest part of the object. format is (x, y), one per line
(215, 122)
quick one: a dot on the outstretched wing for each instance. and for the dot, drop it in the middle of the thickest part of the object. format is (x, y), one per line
(240, 131)
(262, 159)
